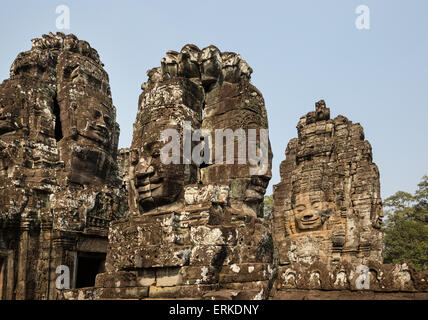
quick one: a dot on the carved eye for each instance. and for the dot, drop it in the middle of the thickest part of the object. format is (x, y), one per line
(107, 121)
(300, 209)
(316, 204)
(70, 72)
(97, 114)
(155, 153)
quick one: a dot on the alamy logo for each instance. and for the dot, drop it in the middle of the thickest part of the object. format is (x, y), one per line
(63, 20)
(363, 20)
(63, 281)
(257, 157)
(363, 280)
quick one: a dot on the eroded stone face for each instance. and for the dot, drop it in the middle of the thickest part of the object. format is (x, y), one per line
(211, 66)
(238, 106)
(28, 154)
(88, 118)
(8, 118)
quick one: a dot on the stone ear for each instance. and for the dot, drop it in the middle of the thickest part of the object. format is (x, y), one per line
(73, 132)
(134, 157)
(326, 215)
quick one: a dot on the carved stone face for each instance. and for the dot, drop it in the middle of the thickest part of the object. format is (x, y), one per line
(211, 66)
(377, 216)
(95, 123)
(17, 105)
(189, 62)
(10, 123)
(7, 117)
(95, 129)
(239, 106)
(310, 211)
(163, 106)
(88, 119)
(169, 64)
(156, 183)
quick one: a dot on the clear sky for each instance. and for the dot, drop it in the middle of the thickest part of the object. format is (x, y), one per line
(301, 52)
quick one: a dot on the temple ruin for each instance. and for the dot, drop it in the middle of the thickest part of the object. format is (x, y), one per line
(127, 224)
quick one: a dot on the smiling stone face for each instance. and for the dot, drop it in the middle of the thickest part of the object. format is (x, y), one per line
(164, 105)
(157, 183)
(310, 212)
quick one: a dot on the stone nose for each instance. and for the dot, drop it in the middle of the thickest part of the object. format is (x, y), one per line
(100, 123)
(102, 129)
(144, 170)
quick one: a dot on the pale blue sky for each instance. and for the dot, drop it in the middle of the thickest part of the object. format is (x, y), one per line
(301, 51)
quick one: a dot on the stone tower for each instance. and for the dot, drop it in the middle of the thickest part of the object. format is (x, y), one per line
(327, 207)
(59, 186)
(197, 226)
